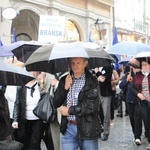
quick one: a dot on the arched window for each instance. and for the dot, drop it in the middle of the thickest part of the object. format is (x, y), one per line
(71, 31)
(23, 37)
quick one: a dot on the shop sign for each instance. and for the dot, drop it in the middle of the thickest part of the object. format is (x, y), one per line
(51, 28)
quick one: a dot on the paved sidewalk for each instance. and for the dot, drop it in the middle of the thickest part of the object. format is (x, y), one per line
(121, 137)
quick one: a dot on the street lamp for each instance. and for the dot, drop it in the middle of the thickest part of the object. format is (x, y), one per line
(99, 24)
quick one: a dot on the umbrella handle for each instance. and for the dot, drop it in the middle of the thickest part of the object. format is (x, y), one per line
(71, 101)
(13, 58)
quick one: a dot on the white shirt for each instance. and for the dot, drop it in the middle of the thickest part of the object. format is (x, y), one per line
(31, 103)
(10, 95)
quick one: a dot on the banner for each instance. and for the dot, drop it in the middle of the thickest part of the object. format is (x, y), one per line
(51, 28)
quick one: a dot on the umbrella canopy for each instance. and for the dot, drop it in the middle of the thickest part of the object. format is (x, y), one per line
(25, 50)
(55, 57)
(114, 57)
(13, 75)
(19, 49)
(98, 57)
(125, 60)
(142, 56)
(5, 50)
(67, 50)
(128, 48)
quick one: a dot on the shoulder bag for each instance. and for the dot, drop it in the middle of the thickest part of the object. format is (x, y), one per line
(45, 109)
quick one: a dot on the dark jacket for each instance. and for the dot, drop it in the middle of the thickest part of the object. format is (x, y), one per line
(5, 126)
(106, 87)
(19, 111)
(87, 118)
(125, 85)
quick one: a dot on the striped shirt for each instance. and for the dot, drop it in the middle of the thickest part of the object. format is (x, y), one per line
(145, 88)
(72, 96)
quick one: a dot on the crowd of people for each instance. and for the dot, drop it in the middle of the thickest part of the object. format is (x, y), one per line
(85, 101)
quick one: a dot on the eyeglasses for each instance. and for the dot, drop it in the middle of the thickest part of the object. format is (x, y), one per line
(144, 64)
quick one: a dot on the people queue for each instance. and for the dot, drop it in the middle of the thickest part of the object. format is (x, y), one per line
(85, 100)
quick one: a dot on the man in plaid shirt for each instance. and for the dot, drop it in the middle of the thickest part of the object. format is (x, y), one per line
(78, 95)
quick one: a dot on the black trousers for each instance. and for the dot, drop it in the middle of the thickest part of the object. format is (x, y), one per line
(135, 116)
(119, 104)
(112, 106)
(33, 134)
(47, 137)
(145, 108)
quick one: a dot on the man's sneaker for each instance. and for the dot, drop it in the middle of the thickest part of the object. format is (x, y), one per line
(138, 142)
(148, 147)
(105, 137)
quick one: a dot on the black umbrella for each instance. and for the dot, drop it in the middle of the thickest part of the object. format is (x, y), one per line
(99, 57)
(25, 57)
(114, 57)
(54, 58)
(23, 51)
(13, 75)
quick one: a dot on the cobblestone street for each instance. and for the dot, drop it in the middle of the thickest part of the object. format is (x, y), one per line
(121, 137)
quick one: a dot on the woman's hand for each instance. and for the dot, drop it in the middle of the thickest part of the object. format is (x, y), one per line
(15, 125)
(141, 96)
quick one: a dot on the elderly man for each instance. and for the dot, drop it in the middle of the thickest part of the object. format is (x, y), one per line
(78, 96)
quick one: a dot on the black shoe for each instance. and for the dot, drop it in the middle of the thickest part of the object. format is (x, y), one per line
(146, 135)
(119, 115)
(105, 137)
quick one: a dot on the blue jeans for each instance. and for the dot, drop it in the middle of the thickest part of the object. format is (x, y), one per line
(69, 140)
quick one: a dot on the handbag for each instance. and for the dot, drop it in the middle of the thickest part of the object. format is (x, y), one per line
(9, 144)
(45, 109)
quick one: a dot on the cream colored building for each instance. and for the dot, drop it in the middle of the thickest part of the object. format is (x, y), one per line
(132, 19)
(80, 15)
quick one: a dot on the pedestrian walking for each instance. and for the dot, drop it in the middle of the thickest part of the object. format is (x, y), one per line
(104, 76)
(78, 96)
(30, 127)
(114, 82)
(133, 105)
(140, 87)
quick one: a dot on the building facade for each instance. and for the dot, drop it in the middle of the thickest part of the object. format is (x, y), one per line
(80, 16)
(132, 19)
